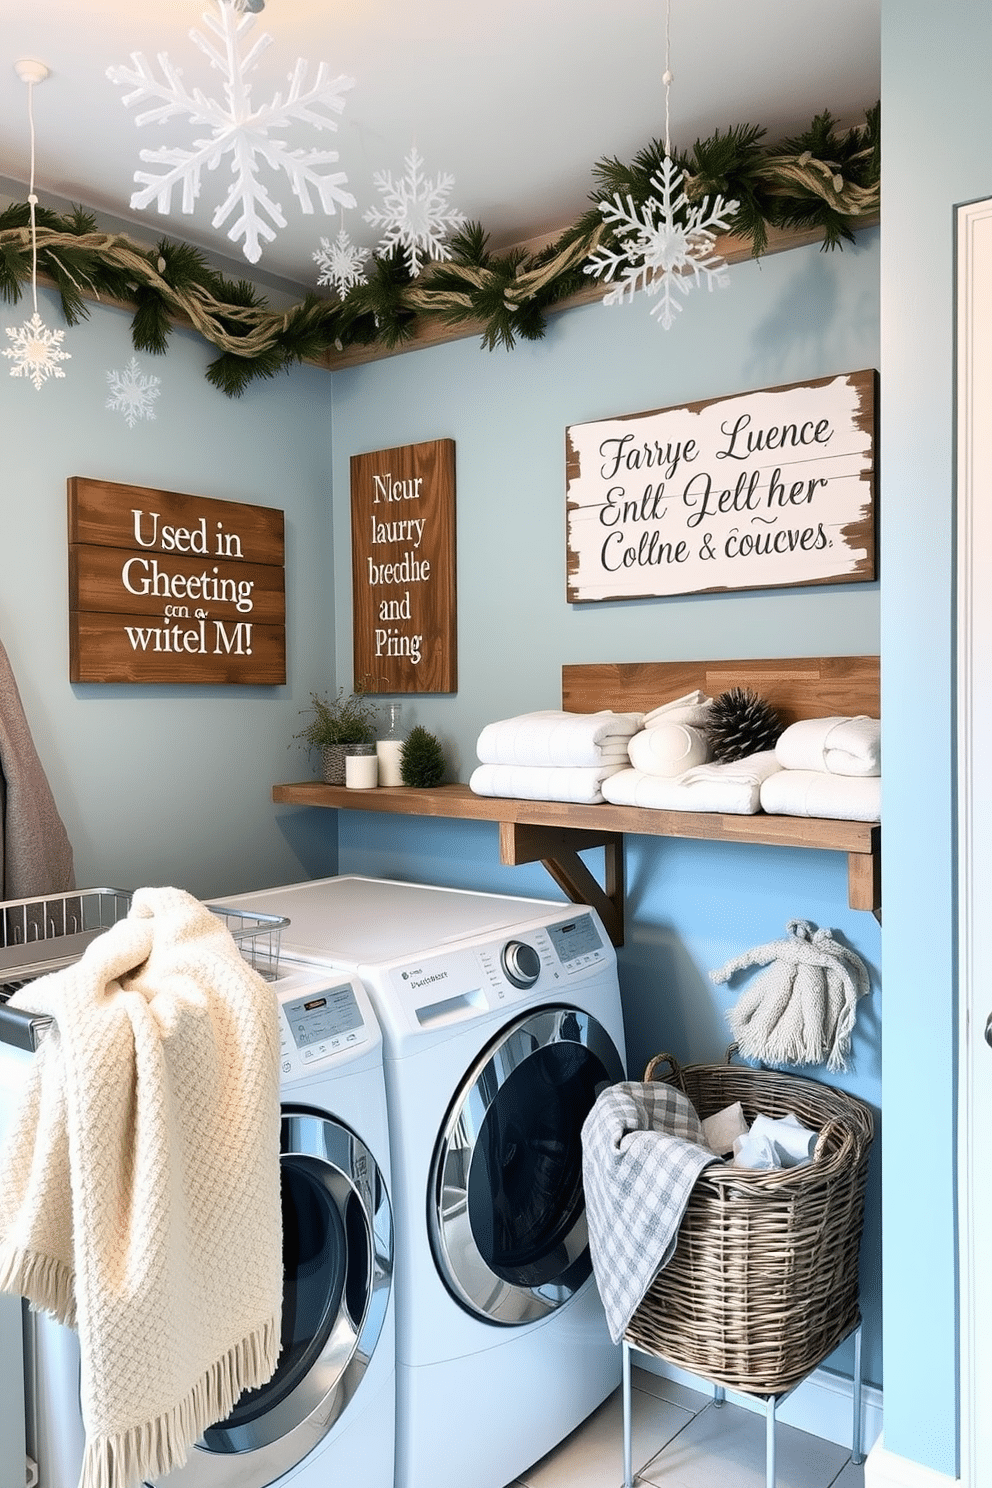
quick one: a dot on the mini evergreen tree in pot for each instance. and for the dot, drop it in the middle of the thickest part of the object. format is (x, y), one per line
(422, 760)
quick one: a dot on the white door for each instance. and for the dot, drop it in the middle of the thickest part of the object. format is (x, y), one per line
(974, 489)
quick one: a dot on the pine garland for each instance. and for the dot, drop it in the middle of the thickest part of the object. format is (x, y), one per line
(824, 179)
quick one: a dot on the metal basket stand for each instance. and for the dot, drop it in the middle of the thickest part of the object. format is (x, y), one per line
(772, 1403)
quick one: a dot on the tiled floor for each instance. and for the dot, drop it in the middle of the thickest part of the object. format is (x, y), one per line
(681, 1440)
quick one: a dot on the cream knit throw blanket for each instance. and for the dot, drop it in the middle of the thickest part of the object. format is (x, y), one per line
(139, 1188)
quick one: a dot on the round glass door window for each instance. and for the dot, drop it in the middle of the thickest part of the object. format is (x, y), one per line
(337, 1269)
(507, 1210)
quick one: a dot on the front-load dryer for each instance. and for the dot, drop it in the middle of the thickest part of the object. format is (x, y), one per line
(501, 1022)
(326, 1419)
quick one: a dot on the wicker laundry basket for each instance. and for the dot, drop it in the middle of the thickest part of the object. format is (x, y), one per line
(763, 1283)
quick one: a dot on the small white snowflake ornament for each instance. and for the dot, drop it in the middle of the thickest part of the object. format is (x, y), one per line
(342, 263)
(132, 393)
(237, 128)
(664, 245)
(415, 213)
(36, 351)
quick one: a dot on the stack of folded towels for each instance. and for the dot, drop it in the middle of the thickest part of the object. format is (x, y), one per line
(826, 767)
(670, 767)
(553, 755)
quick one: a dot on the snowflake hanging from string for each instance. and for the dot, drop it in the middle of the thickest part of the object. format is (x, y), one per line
(663, 245)
(36, 351)
(132, 393)
(342, 263)
(237, 129)
(415, 213)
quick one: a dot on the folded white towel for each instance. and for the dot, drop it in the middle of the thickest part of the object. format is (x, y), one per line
(693, 709)
(668, 749)
(841, 746)
(733, 789)
(553, 737)
(817, 793)
(581, 784)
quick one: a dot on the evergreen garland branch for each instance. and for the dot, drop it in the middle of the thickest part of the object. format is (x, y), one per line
(825, 179)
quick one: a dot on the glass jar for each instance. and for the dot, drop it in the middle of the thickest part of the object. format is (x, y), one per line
(389, 747)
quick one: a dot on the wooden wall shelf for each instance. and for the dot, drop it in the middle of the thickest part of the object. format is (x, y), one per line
(555, 832)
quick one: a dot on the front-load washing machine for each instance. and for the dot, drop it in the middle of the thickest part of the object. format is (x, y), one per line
(326, 1419)
(501, 1022)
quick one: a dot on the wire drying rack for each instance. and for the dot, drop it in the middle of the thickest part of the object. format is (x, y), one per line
(45, 934)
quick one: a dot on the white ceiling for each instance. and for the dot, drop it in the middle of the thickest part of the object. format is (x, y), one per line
(517, 99)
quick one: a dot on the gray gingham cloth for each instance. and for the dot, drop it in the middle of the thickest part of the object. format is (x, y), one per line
(642, 1151)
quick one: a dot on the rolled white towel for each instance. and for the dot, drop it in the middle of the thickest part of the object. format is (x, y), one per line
(554, 737)
(733, 789)
(577, 783)
(841, 746)
(668, 749)
(693, 709)
(818, 793)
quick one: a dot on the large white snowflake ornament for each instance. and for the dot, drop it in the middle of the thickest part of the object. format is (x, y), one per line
(132, 393)
(664, 245)
(36, 351)
(415, 213)
(342, 263)
(237, 129)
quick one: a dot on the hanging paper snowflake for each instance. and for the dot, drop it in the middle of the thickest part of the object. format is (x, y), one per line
(664, 245)
(342, 263)
(36, 351)
(237, 129)
(414, 213)
(132, 393)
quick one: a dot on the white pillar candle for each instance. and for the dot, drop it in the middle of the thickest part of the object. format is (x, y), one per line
(389, 753)
(361, 771)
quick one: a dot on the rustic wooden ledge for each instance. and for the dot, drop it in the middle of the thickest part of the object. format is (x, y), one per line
(555, 832)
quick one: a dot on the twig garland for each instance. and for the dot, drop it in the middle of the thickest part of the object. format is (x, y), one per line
(825, 179)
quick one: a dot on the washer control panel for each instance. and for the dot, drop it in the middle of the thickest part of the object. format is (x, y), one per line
(467, 981)
(319, 1021)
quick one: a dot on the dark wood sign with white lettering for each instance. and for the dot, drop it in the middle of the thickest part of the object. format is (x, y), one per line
(165, 587)
(403, 567)
(759, 490)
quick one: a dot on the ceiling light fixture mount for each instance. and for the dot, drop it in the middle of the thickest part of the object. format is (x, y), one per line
(30, 70)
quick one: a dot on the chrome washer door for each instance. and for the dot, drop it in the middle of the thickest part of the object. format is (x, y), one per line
(506, 1209)
(337, 1271)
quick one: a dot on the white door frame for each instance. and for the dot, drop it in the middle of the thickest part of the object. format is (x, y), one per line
(974, 809)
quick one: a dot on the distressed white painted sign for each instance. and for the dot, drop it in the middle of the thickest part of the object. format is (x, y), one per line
(760, 490)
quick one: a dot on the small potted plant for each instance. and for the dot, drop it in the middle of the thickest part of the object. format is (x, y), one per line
(337, 723)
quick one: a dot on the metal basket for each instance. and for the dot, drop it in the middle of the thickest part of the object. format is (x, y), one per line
(47, 933)
(763, 1283)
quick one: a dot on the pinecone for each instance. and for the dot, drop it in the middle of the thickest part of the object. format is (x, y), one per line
(741, 723)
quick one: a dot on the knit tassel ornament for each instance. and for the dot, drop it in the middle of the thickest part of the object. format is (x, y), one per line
(802, 1008)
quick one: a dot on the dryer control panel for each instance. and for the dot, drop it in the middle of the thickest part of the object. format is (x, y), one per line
(321, 1019)
(470, 980)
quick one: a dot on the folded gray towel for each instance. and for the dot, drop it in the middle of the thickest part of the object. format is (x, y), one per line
(642, 1151)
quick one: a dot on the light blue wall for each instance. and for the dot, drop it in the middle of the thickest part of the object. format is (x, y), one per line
(164, 784)
(690, 905)
(937, 122)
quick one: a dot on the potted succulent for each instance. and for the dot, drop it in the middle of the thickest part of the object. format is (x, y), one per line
(337, 723)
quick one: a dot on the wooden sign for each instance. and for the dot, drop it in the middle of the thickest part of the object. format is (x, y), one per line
(165, 587)
(760, 490)
(403, 568)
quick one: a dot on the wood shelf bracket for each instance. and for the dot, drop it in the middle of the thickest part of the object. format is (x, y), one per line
(558, 848)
